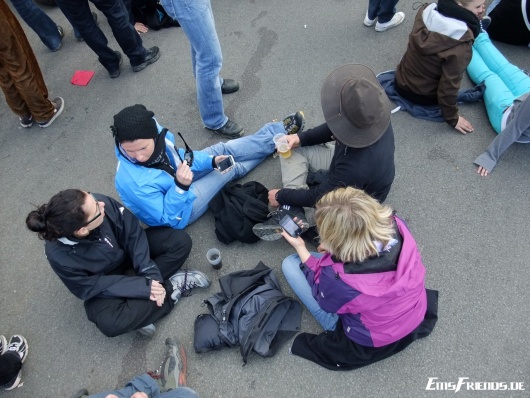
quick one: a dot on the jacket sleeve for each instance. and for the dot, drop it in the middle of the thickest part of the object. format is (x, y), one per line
(453, 68)
(318, 135)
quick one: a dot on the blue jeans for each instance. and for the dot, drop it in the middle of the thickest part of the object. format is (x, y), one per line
(196, 19)
(384, 10)
(298, 282)
(80, 16)
(248, 152)
(40, 22)
(145, 383)
(504, 81)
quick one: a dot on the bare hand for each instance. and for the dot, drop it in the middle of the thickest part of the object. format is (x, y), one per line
(297, 242)
(293, 141)
(158, 293)
(272, 198)
(482, 171)
(140, 27)
(464, 126)
(139, 394)
(219, 159)
(111, 396)
(184, 174)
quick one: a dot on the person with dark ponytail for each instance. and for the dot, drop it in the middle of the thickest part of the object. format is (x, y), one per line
(126, 276)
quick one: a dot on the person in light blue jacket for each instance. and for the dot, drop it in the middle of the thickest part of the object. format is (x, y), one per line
(168, 186)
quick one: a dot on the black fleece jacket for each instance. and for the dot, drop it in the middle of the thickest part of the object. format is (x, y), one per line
(370, 168)
(86, 265)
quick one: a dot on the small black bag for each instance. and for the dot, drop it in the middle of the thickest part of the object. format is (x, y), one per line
(237, 208)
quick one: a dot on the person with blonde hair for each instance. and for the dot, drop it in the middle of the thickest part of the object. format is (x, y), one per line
(366, 286)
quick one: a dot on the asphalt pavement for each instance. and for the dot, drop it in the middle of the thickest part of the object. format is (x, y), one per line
(472, 231)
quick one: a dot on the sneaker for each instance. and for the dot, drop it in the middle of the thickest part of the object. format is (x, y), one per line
(294, 124)
(271, 229)
(175, 366)
(116, 73)
(311, 236)
(26, 121)
(18, 346)
(150, 58)
(229, 86)
(147, 331)
(81, 393)
(368, 21)
(58, 104)
(61, 33)
(396, 20)
(3, 344)
(485, 23)
(184, 281)
(229, 130)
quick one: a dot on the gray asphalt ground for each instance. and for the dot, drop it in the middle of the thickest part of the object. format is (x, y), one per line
(472, 231)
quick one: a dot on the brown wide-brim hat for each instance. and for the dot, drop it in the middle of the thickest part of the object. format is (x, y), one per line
(355, 106)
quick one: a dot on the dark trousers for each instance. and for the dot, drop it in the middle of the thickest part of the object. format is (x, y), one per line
(169, 248)
(10, 365)
(79, 14)
(20, 75)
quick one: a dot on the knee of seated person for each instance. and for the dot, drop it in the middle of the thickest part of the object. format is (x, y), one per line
(109, 328)
(289, 262)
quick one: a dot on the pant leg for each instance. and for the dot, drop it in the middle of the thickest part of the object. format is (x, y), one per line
(143, 383)
(302, 160)
(169, 248)
(248, 152)
(179, 392)
(298, 282)
(196, 19)
(20, 75)
(10, 365)
(122, 29)
(40, 22)
(497, 96)
(384, 10)
(80, 16)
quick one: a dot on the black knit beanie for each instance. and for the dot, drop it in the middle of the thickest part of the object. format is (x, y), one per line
(133, 123)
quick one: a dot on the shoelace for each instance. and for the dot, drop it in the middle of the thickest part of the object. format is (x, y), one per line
(186, 287)
(14, 346)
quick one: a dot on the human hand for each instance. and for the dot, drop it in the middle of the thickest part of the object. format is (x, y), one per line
(464, 126)
(272, 198)
(111, 396)
(158, 293)
(482, 171)
(219, 159)
(184, 174)
(293, 140)
(140, 27)
(297, 242)
(139, 394)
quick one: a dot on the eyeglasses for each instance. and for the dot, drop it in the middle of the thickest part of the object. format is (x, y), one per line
(97, 209)
(188, 153)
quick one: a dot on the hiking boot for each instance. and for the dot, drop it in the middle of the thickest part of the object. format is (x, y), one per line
(116, 73)
(271, 229)
(147, 331)
(230, 130)
(26, 121)
(58, 104)
(396, 20)
(17, 346)
(294, 123)
(175, 366)
(150, 58)
(81, 393)
(485, 23)
(184, 281)
(3, 344)
(368, 21)
(229, 86)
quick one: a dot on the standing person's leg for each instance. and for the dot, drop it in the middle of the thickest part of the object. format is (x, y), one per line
(169, 248)
(512, 76)
(20, 75)
(298, 282)
(10, 366)
(383, 10)
(14, 354)
(497, 96)
(40, 22)
(196, 19)
(248, 152)
(79, 14)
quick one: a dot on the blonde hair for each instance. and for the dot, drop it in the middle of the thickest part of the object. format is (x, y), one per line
(349, 221)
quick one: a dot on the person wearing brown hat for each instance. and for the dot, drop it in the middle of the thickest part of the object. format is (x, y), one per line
(354, 147)
(168, 186)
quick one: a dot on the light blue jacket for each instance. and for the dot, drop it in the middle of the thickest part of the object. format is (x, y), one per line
(151, 194)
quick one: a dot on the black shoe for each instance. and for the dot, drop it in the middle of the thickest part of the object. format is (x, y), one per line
(151, 57)
(26, 121)
(294, 123)
(485, 23)
(229, 86)
(61, 33)
(229, 130)
(271, 229)
(114, 74)
(311, 236)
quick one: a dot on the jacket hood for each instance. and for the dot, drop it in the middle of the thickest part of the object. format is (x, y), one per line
(433, 32)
